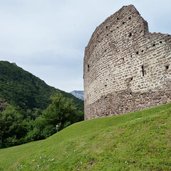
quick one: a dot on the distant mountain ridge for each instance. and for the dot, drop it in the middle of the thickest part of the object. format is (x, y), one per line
(25, 90)
(78, 93)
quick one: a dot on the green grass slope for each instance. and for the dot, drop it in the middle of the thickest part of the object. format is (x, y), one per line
(136, 141)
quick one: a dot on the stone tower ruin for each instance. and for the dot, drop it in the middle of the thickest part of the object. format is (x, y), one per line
(126, 68)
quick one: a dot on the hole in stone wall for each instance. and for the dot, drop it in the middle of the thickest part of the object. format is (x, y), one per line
(129, 80)
(137, 52)
(88, 68)
(161, 42)
(143, 70)
(117, 18)
(106, 27)
(105, 50)
(129, 18)
(166, 67)
(107, 34)
(105, 85)
(142, 50)
(123, 22)
(130, 34)
(154, 44)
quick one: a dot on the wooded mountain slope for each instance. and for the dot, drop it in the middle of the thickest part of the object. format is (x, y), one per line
(30, 109)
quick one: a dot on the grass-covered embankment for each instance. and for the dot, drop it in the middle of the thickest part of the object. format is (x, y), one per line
(136, 141)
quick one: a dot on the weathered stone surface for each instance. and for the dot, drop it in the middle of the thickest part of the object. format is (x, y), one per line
(126, 68)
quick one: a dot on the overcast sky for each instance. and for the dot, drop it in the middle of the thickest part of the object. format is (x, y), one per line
(48, 37)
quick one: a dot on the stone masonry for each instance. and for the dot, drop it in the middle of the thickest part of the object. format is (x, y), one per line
(126, 68)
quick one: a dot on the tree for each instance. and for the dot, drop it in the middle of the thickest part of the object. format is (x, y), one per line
(59, 114)
(11, 127)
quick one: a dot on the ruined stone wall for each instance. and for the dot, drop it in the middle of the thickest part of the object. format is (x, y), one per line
(126, 68)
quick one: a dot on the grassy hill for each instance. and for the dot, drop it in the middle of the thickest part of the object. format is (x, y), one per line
(136, 141)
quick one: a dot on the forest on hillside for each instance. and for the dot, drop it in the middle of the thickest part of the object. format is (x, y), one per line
(30, 109)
